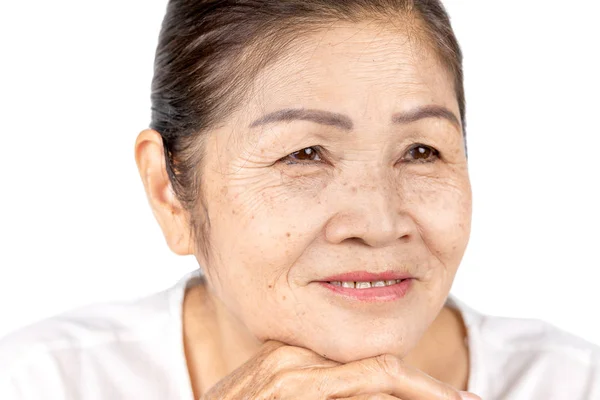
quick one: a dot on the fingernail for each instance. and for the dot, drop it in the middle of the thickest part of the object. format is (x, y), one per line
(469, 396)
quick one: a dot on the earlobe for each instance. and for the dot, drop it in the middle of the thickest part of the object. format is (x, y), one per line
(167, 209)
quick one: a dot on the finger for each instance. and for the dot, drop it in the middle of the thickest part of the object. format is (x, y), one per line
(373, 396)
(271, 345)
(384, 374)
(279, 357)
(469, 396)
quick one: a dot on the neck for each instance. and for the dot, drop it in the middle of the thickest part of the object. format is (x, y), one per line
(216, 343)
(442, 352)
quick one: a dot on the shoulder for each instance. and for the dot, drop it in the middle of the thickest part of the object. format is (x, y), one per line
(525, 339)
(537, 357)
(530, 358)
(63, 355)
(85, 328)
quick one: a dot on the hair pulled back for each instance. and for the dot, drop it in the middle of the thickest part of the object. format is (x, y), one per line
(209, 51)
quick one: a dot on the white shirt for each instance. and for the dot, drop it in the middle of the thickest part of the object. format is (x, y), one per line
(135, 351)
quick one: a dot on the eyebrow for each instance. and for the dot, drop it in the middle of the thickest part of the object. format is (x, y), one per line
(319, 116)
(426, 112)
(345, 123)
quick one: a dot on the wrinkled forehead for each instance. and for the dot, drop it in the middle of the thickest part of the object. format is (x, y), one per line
(366, 70)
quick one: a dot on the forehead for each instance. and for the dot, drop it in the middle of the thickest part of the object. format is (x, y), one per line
(368, 71)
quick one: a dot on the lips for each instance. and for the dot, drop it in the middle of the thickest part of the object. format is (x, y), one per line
(369, 287)
(364, 276)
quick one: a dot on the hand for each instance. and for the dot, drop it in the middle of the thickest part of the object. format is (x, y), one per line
(285, 372)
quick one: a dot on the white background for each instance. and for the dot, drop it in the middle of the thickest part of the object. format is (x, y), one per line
(75, 227)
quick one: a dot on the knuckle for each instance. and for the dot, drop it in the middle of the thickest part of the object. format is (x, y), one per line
(287, 378)
(283, 352)
(378, 396)
(283, 382)
(290, 356)
(449, 394)
(391, 365)
(279, 358)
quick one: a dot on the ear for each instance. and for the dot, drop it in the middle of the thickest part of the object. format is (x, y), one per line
(171, 216)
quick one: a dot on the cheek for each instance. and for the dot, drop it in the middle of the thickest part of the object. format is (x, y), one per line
(441, 209)
(261, 225)
(259, 231)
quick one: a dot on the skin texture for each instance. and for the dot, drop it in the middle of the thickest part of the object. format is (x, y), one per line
(277, 225)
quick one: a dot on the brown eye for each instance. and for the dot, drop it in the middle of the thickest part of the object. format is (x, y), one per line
(422, 153)
(306, 154)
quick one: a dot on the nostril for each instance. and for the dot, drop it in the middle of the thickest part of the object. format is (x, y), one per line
(367, 225)
(357, 240)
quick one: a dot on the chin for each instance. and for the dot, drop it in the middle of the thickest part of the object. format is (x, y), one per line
(345, 349)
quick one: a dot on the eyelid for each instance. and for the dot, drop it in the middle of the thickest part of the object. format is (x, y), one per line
(321, 153)
(436, 153)
(318, 149)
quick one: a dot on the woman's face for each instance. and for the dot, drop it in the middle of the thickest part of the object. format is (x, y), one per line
(367, 174)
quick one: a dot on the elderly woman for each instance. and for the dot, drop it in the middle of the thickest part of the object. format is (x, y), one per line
(311, 155)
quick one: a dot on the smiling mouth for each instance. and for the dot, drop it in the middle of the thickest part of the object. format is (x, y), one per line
(365, 285)
(369, 291)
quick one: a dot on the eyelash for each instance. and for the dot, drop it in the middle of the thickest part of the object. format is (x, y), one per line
(435, 153)
(318, 151)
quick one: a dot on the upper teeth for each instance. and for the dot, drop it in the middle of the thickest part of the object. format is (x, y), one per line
(365, 285)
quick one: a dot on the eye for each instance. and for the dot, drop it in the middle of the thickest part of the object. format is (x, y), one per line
(305, 155)
(421, 153)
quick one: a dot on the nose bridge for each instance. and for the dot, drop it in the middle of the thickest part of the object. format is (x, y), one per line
(371, 210)
(380, 203)
(374, 188)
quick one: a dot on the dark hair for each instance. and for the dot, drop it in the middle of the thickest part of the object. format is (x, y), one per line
(209, 51)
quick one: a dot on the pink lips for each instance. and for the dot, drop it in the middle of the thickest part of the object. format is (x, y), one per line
(373, 294)
(364, 276)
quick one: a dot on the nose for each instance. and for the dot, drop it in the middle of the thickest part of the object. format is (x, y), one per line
(372, 213)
